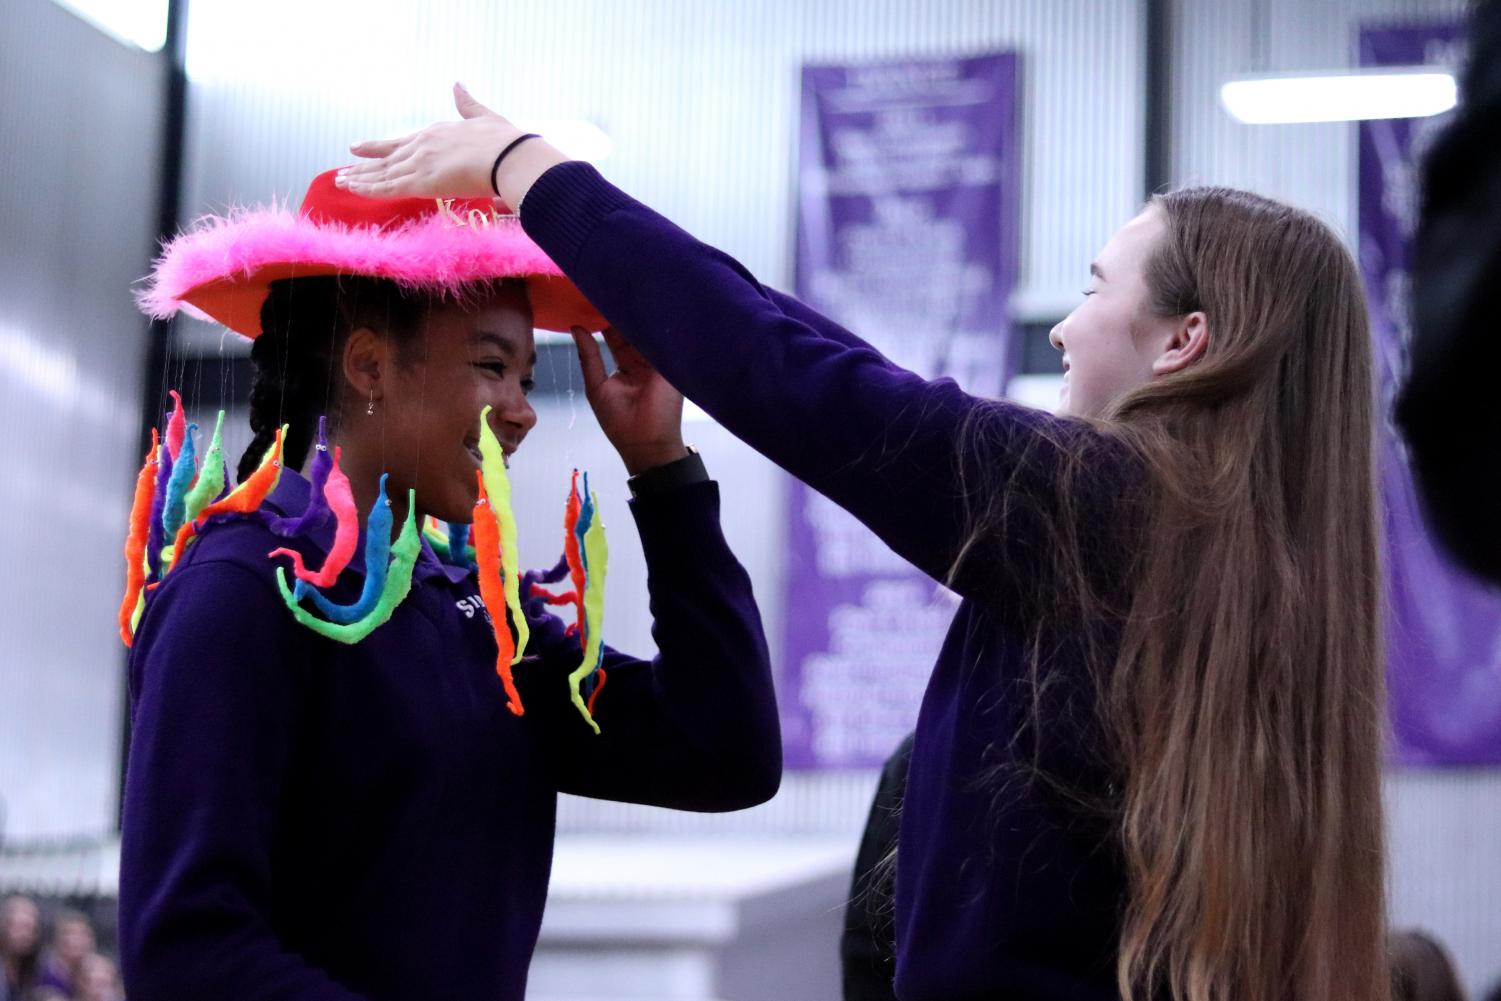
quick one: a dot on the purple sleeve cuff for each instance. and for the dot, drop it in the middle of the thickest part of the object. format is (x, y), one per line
(566, 203)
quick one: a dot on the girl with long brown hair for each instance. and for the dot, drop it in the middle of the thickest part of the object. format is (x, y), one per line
(1147, 762)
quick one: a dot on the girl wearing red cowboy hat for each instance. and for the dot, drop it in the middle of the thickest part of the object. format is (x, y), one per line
(1148, 760)
(310, 818)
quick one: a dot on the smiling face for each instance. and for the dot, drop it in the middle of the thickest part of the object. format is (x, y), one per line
(428, 395)
(1112, 342)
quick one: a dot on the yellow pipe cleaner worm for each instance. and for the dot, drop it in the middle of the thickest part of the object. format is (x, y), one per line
(498, 490)
(596, 558)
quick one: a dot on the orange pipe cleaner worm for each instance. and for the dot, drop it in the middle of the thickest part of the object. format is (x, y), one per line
(492, 592)
(135, 542)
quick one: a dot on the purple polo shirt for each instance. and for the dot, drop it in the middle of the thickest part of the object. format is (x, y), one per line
(306, 819)
(1004, 889)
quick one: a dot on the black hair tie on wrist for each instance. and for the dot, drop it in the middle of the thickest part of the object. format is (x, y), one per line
(509, 146)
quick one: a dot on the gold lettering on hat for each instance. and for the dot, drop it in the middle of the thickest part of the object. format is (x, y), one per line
(445, 209)
(475, 219)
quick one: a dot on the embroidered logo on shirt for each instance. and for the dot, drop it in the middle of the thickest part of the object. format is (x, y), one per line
(470, 605)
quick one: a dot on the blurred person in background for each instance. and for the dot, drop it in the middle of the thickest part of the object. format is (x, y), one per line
(867, 947)
(1447, 409)
(98, 980)
(1422, 969)
(72, 943)
(20, 945)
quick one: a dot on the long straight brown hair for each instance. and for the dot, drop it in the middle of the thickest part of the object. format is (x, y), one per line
(1244, 704)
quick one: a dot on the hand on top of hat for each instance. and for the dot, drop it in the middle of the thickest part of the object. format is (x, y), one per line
(451, 159)
(638, 410)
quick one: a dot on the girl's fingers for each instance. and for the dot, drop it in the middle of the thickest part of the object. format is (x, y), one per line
(369, 170)
(392, 186)
(625, 355)
(379, 170)
(376, 148)
(590, 359)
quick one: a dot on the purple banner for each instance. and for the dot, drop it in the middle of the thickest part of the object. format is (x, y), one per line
(908, 193)
(1444, 627)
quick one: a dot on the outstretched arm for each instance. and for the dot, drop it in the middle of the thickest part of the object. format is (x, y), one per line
(912, 458)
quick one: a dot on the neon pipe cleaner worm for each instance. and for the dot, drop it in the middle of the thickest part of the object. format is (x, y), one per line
(184, 465)
(135, 541)
(317, 509)
(439, 536)
(573, 552)
(580, 526)
(176, 425)
(458, 543)
(155, 534)
(571, 565)
(492, 591)
(257, 487)
(557, 573)
(601, 674)
(377, 553)
(498, 490)
(595, 559)
(165, 461)
(340, 499)
(554, 597)
(398, 583)
(243, 499)
(210, 476)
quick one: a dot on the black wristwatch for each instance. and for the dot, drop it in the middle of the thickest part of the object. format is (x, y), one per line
(669, 476)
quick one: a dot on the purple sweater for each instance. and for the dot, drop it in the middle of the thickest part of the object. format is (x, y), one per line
(1004, 890)
(310, 820)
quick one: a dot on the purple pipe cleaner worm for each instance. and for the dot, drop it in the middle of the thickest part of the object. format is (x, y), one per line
(154, 537)
(317, 510)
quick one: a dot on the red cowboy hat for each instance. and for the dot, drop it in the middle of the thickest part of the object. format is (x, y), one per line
(223, 266)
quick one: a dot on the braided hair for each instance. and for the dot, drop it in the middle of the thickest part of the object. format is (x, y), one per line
(305, 323)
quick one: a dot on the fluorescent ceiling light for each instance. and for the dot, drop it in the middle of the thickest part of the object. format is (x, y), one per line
(142, 23)
(1400, 92)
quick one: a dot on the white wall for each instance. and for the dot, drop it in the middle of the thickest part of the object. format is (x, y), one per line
(79, 114)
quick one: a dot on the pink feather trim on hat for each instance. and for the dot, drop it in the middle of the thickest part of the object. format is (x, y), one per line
(223, 266)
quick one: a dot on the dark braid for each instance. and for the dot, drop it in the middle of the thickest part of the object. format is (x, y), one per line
(304, 325)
